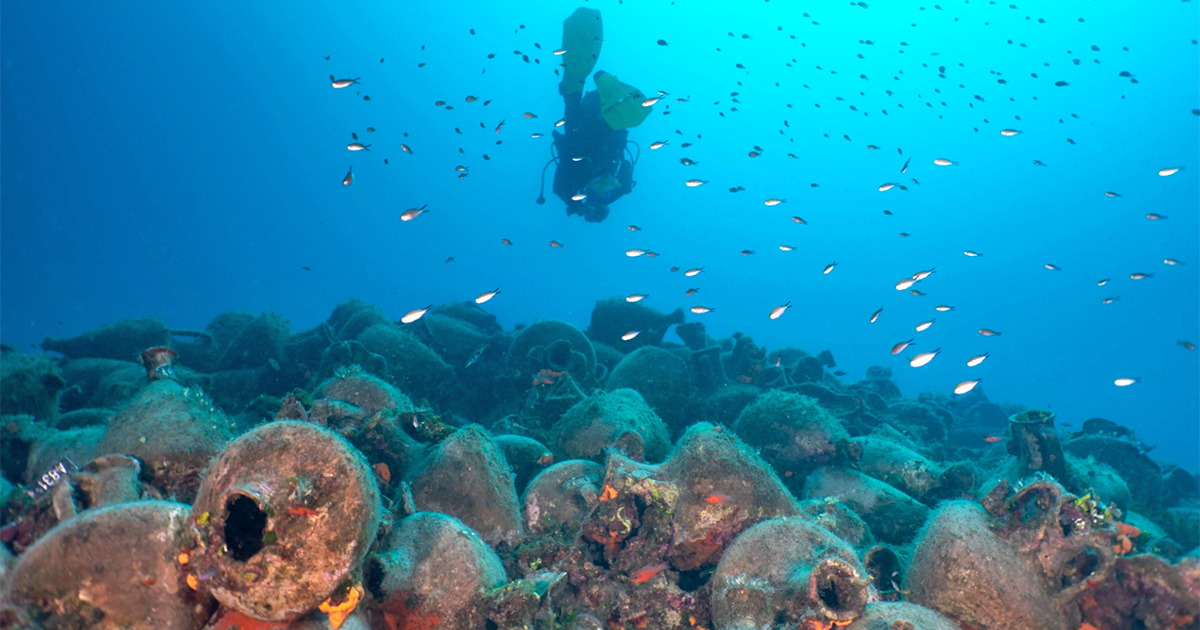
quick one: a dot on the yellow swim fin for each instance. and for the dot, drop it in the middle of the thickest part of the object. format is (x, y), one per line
(620, 103)
(583, 33)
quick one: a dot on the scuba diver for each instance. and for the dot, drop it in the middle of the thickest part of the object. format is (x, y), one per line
(594, 166)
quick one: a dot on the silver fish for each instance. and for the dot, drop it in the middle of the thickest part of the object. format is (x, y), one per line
(475, 356)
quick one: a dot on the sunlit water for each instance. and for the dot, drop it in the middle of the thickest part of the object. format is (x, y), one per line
(180, 160)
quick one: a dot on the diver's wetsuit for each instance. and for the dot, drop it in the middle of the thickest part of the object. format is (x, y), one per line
(588, 136)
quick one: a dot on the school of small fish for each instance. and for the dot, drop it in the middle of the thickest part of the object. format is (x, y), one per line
(978, 98)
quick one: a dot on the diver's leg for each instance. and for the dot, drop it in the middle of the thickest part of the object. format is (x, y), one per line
(572, 108)
(583, 34)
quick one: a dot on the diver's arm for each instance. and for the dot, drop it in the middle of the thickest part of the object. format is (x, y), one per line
(625, 176)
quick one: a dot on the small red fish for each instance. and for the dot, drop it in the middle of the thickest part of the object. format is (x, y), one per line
(717, 497)
(383, 472)
(302, 511)
(649, 571)
(992, 439)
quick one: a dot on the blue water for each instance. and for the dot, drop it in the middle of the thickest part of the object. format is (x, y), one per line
(180, 160)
